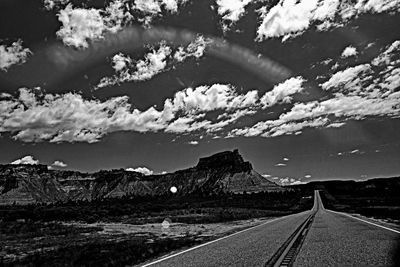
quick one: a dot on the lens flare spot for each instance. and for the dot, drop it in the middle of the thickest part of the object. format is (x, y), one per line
(166, 223)
(173, 189)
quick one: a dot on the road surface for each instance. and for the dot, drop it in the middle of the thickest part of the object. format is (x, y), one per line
(318, 237)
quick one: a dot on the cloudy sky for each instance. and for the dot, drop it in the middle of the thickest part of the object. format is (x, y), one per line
(306, 89)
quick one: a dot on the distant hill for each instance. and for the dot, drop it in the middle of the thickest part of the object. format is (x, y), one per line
(222, 172)
(372, 186)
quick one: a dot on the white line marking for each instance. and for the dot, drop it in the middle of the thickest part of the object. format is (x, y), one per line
(381, 226)
(219, 239)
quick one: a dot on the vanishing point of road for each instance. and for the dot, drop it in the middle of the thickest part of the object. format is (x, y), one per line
(318, 237)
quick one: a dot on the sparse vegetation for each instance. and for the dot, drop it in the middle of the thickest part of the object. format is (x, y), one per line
(36, 236)
(213, 208)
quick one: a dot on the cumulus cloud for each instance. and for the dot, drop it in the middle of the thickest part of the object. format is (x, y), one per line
(59, 163)
(142, 170)
(349, 51)
(286, 18)
(208, 98)
(195, 49)
(149, 9)
(357, 93)
(26, 160)
(71, 118)
(347, 78)
(33, 116)
(285, 181)
(13, 54)
(290, 18)
(155, 6)
(154, 62)
(145, 69)
(282, 93)
(231, 11)
(80, 25)
(387, 57)
(274, 128)
(120, 62)
(53, 4)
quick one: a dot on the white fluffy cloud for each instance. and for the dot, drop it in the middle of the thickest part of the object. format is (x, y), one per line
(145, 69)
(349, 51)
(231, 10)
(59, 163)
(388, 57)
(285, 181)
(292, 17)
(71, 118)
(286, 18)
(121, 62)
(208, 98)
(282, 93)
(34, 116)
(195, 49)
(52, 4)
(26, 160)
(155, 6)
(13, 54)
(357, 93)
(143, 170)
(347, 79)
(314, 114)
(80, 25)
(154, 62)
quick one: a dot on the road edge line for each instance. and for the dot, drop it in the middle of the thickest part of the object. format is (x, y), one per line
(216, 240)
(381, 226)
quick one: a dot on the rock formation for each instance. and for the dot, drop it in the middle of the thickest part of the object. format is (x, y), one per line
(221, 172)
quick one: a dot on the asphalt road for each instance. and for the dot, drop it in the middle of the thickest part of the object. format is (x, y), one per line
(339, 240)
(333, 240)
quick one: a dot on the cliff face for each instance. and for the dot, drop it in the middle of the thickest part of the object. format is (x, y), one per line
(222, 172)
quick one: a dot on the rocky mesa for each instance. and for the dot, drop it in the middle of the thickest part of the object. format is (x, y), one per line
(222, 172)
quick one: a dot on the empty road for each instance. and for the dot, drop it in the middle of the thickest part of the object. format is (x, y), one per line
(318, 237)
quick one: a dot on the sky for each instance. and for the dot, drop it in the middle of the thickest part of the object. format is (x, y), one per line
(305, 89)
